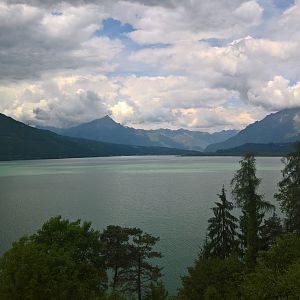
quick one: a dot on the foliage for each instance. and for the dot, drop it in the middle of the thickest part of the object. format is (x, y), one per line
(141, 271)
(289, 190)
(114, 295)
(117, 249)
(277, 274)
(269, 231)
(222, 229)
(245, 184)
(156, 291)
(61, 261)
(212, 278)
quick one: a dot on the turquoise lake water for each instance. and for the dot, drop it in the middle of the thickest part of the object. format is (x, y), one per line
(167, 196)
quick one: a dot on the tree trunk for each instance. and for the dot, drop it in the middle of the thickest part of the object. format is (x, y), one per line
(115, 277)
(139, 279)
(252, 235)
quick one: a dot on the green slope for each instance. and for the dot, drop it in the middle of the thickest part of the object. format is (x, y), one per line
(19, 141)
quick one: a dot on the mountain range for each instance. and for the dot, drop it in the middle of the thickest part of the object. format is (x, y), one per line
(272, 136)
(279, 127)
(107, 130)
(19, 141)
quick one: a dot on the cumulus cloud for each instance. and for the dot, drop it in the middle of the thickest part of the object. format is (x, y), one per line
(59, 102)
(188, 20)
(195, 64)
(276, 94)
(239, 66)
(217, 118)
(35, 41)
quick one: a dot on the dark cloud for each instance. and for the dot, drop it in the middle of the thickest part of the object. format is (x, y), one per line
(37, 41)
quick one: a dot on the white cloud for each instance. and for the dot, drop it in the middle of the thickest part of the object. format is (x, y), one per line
(217, 118)
(276, 94)
(188, 21)
(54, 69)
(249, 12)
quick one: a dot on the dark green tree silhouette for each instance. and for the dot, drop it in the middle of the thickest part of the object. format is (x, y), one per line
(222, 229)
(289, 190)
(269, 231)
(156, 291)
(212, 278)
(61, 261)
(277, 273)
(141, 271)
(245, 184)
(117, 249)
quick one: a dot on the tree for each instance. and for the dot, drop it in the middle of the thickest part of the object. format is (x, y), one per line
(117, 249)
(141, 272)
(245, 184)
(213, 279)
(269, 231)
(61, 261)
(289, 190)
(114, 295)
(156, 291)
(222, 229)
(277, 274)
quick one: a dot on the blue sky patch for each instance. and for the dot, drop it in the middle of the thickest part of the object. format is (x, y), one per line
(214, 42)
(56, 13)
(114, 29)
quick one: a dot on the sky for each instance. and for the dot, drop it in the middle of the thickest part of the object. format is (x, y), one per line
(194, 64)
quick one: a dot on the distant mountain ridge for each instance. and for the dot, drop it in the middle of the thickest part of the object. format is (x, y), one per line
(280, 127)
(270, 149)
(107, 130)
(19, 141)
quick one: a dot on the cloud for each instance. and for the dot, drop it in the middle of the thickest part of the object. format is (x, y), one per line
(59, 101)
(276, 94)
(38, 41)
(217, 118)
(188, 21)
(58, 68)
(238, 66)
(144, 102)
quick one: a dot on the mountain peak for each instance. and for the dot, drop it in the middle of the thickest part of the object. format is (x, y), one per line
(278, 127)
(107, 117)
(106, 120)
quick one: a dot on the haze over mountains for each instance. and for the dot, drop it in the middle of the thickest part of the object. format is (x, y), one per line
(107, 130)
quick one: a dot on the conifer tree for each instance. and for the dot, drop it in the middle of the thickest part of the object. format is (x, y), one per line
(289, 190)
(117, 250)
(222, 229)
(269, 231)
(245, 184)
(141, 271)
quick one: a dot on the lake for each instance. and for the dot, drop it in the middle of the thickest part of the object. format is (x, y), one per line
(166, 196)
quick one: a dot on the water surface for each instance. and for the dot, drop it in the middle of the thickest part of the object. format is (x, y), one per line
(166, 196)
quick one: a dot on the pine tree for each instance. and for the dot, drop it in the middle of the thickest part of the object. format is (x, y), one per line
(117, 249)
(222, 229)
(141, 271)
(269, 231)
(289, 190)
(245, 184)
